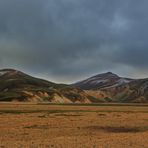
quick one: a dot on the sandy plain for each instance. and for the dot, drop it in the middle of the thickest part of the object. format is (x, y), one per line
(26, 125)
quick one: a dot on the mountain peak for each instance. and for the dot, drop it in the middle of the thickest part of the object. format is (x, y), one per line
(106, 75)
(103, 80)
(110, 73)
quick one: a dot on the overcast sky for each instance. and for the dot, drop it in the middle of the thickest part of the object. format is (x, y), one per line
(69, 40)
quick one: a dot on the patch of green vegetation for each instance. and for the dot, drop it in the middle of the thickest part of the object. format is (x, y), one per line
(108, 99)
(60, 86)
(121, 97)
(9, 96)
(95, 100)
(46, 99)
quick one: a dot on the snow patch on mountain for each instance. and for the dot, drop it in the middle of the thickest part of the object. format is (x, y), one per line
(3, 72)
(120, 82)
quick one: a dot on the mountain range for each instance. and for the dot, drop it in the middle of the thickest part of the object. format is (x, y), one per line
(107, 87)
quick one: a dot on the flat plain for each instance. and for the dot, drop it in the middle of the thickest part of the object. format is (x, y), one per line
(26, 125)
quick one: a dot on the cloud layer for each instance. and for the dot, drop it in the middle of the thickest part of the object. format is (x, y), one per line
(66, 40)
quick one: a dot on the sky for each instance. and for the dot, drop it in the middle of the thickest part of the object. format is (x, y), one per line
(68, 40)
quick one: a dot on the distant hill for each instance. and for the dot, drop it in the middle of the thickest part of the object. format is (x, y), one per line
(102, 81)
(18, 86)
(109, 87)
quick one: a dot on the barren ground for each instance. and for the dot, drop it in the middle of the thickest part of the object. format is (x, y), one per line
(73, 126)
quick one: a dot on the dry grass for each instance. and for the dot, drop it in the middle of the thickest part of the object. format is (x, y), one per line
(67, 126)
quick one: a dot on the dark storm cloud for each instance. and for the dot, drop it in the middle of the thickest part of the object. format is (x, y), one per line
(65, 40)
